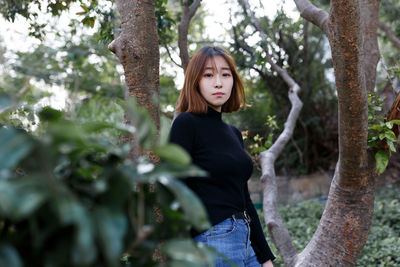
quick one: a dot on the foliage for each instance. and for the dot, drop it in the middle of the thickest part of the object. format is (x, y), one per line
(32, 9)
(70, 198)
(165, 22)
(383, 241)
(257, 143)
(382, 247)
(380, 132)
(298, 47)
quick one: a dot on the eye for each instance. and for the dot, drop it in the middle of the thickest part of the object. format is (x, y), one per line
(227, 74)
(208, 75)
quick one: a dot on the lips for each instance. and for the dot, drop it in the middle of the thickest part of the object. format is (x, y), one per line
(219, 94)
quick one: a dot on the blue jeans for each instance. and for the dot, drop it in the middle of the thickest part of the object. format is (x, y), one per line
(231, 237)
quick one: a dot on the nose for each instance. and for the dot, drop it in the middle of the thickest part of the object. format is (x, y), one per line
(218, 83)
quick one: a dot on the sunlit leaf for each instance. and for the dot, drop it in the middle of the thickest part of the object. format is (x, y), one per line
(140, 118)
(173, 153)
(390, 124)
(389, 135)
(193, 208)
(391, 146)
(177, 170)
(187, 251)
(382, 159)
(165, 125)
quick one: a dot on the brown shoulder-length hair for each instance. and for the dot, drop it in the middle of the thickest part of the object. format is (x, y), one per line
(191, 100)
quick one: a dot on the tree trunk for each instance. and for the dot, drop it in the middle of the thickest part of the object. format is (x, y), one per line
(183, 30)
(345, 223)
(137, 50)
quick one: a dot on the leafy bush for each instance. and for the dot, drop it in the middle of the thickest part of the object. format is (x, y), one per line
(382, 247)
(69, 198)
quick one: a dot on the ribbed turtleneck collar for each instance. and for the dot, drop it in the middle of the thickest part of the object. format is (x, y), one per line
(213, 113)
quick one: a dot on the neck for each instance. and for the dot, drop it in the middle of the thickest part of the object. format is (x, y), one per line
(218, 109)
(211, 112)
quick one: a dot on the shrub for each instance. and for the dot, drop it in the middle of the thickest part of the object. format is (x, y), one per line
(69, 198)
(382, 247)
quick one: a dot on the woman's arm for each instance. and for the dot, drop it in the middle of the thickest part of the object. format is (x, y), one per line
(258, 242)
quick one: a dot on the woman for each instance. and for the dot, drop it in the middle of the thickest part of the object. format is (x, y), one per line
(212, 86)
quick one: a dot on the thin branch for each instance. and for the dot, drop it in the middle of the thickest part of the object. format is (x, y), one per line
(168, 115)
(279, 233)
(183, 29)
(170, 57)
(395, 40)
(298, 150)
(313, 14)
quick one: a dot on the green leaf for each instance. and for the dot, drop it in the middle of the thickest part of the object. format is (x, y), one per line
(111, 227)
(71, 212)
(390, 124)
(165, 125)
(189, 253)
(389, 135)
(89, 21)
(391, 146)
(193, 209)
(9, 256)
(173, 153)
(176, 170)
(50, 114)
(382, 159)
(376, 127)
(14, 146)
(145, 128)
(19, 197)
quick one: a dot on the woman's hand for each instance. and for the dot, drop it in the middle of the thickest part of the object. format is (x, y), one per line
(268, 264)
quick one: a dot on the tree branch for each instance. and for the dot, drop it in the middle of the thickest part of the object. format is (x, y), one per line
(390, 34)
(183, 29)
(313, 14)
(345, 223)
(278, 231)
(170, 57)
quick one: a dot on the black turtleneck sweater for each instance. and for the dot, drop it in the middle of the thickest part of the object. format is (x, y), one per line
(218, 148)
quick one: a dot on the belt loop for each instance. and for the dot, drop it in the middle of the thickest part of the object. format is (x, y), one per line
(248, 218)
(233, 217)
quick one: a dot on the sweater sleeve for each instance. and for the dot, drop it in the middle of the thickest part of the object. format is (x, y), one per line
(257, 238)
(182, 132)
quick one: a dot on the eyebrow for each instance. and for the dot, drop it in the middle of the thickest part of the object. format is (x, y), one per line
(223, 68)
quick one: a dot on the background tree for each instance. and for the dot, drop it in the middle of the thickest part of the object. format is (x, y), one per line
(299, 48)
(345, 223)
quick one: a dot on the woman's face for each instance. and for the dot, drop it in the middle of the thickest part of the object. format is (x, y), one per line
(216, 83)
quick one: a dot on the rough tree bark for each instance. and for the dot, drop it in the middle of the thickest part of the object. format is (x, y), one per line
(345, 223)
(351, 28)
(137, 50)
